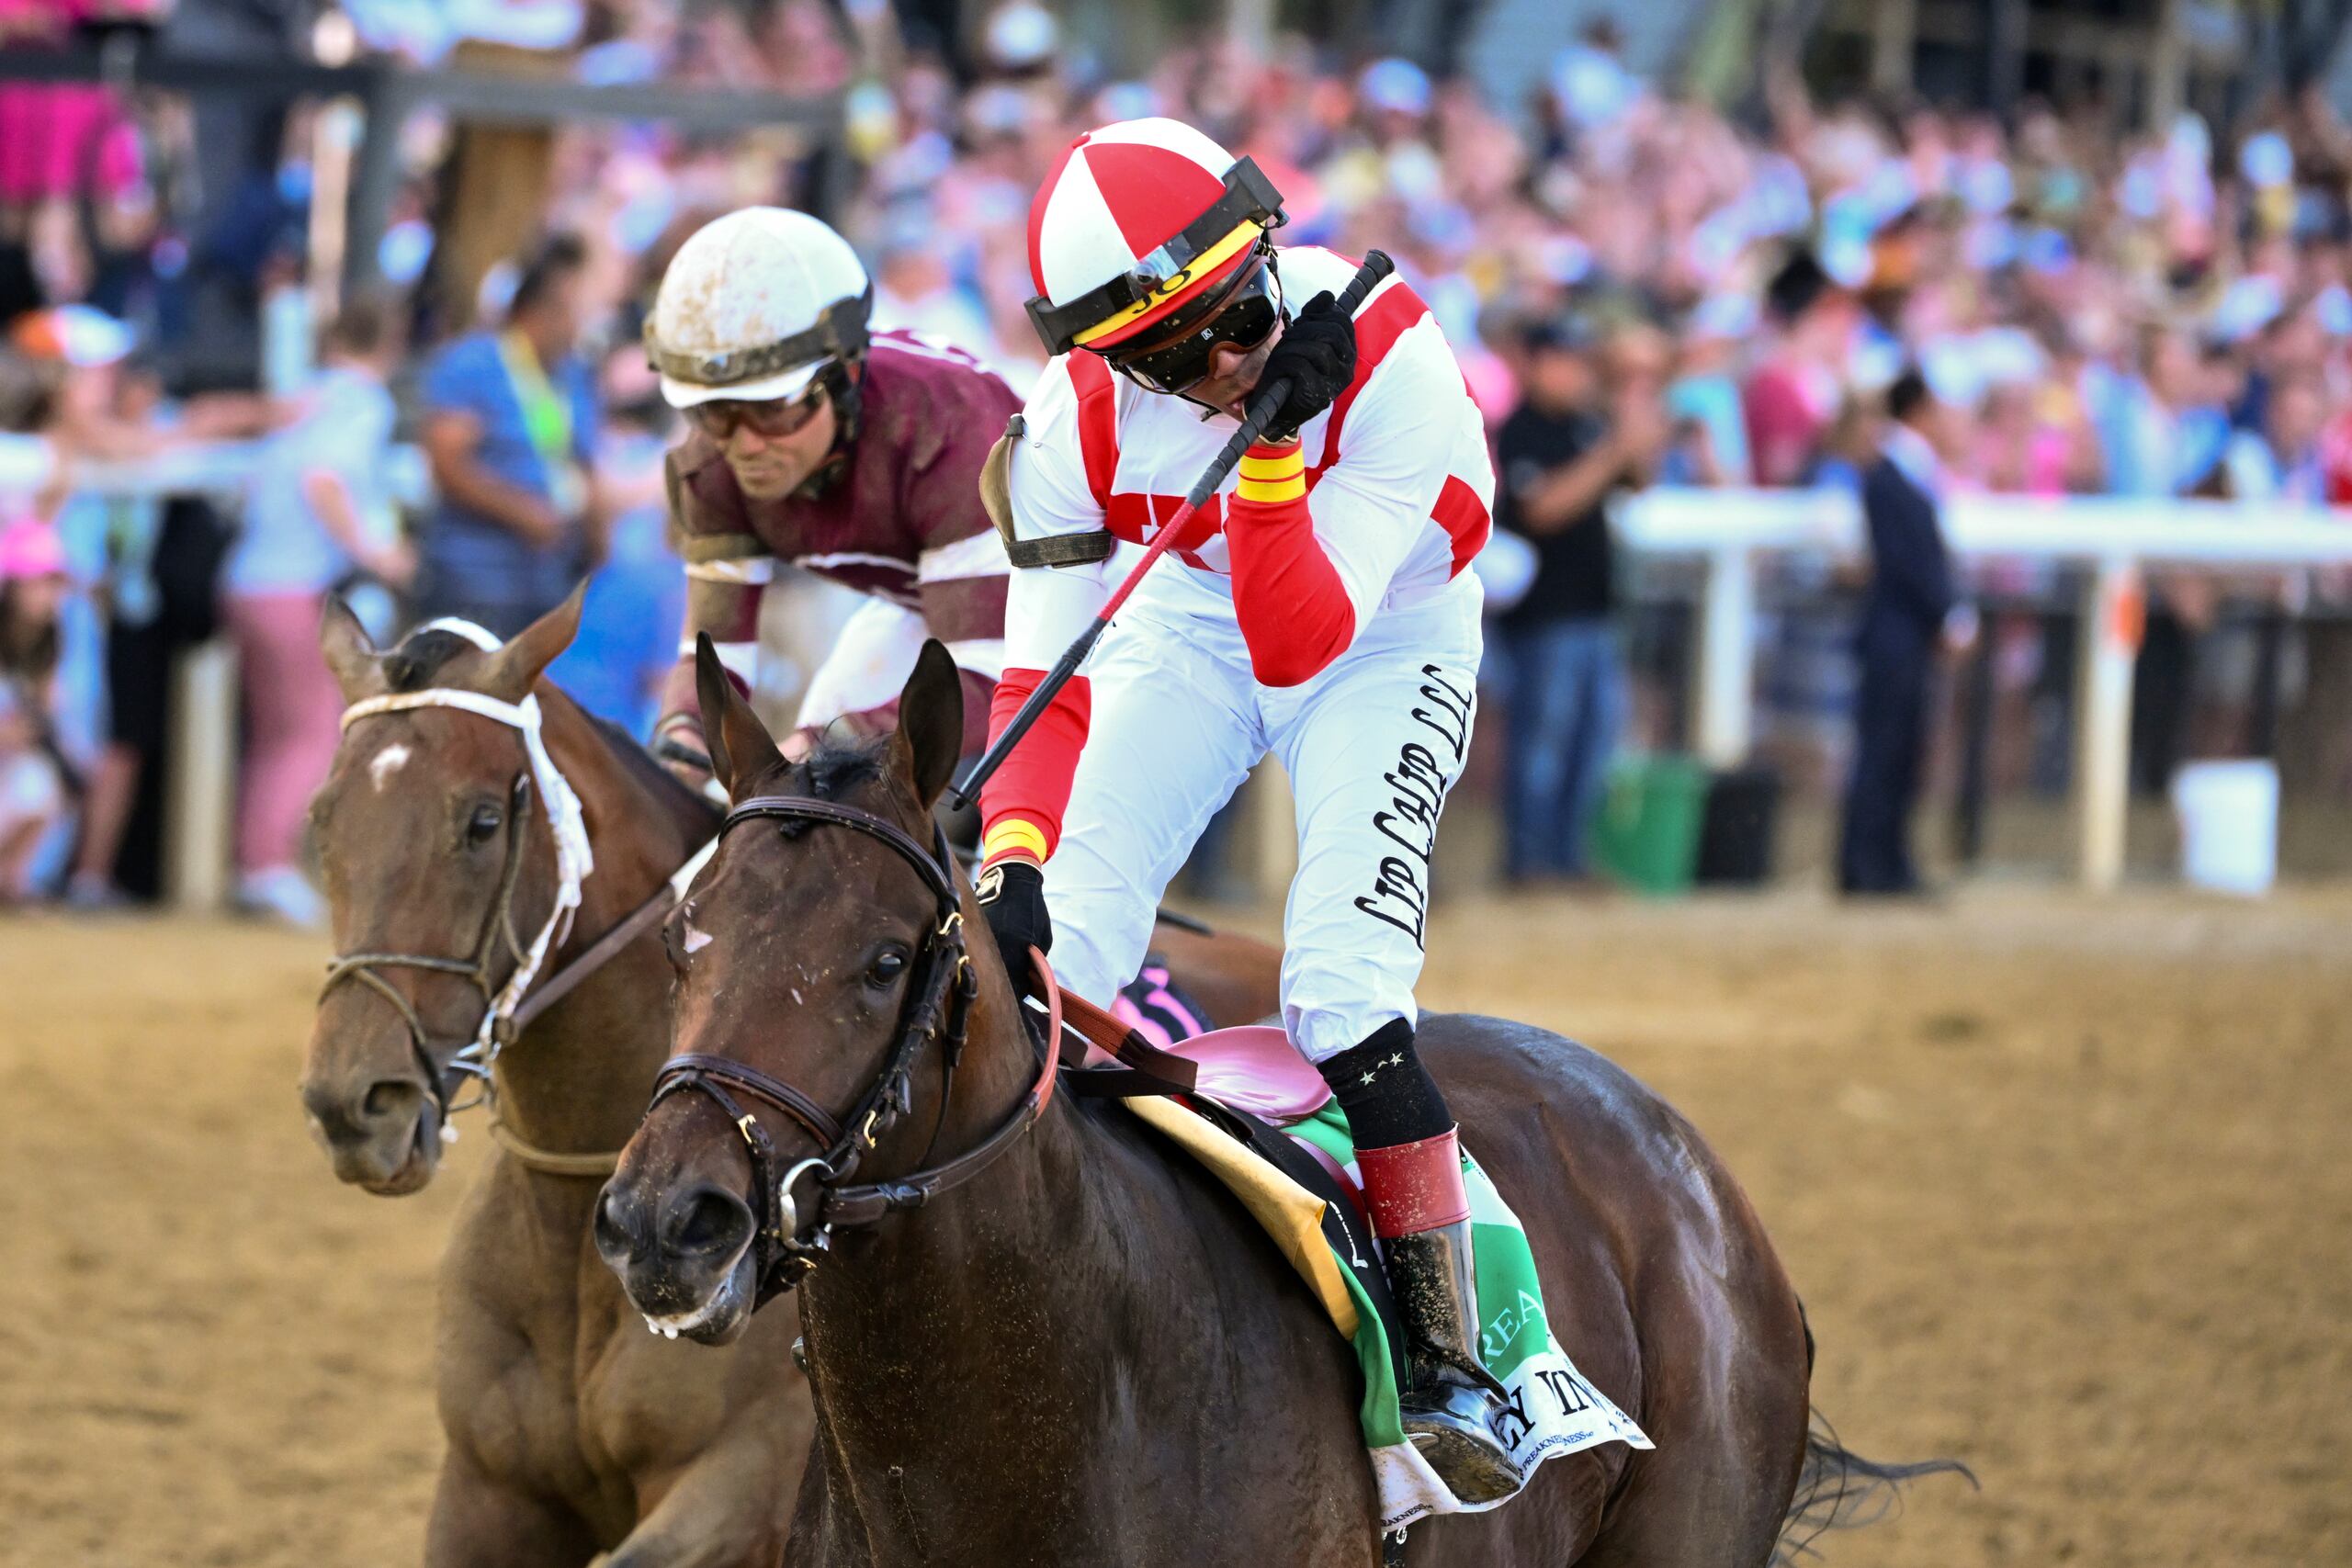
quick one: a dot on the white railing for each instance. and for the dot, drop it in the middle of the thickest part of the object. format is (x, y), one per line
(1733, 530)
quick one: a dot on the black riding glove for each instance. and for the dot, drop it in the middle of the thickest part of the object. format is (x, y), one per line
(1317, 356)
(1013, 896)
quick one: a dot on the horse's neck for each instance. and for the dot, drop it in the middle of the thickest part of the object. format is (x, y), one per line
(960, 1345)
(576, 1080)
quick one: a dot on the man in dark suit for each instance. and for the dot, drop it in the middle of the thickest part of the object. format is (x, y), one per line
(1910, 609)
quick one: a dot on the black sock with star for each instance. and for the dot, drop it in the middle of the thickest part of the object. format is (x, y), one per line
(1389, 1097)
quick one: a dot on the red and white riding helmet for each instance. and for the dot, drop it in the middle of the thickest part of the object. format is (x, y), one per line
(1133, 222)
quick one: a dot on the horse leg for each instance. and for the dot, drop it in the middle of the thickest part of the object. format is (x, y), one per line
(727, 1509)
(477, 1521)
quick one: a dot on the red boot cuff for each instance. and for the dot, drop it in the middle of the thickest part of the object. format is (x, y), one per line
(1410, 1188)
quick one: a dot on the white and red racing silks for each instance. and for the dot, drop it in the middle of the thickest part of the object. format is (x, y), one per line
(1382, 501)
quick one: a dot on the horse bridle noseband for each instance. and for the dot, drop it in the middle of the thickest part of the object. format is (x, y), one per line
(788, 1241)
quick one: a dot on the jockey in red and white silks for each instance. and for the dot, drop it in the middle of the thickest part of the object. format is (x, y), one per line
(1325, 618)
(1319, 610)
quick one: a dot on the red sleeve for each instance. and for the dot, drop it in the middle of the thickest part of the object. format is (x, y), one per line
(1022, 805)
(1294, 610)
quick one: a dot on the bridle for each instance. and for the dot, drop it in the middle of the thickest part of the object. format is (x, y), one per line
(788, 1241)
(508, 1007)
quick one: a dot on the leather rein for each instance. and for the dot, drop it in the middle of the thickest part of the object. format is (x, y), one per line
(788, 1241)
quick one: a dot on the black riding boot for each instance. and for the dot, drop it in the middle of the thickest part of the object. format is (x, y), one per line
(1412, 1184)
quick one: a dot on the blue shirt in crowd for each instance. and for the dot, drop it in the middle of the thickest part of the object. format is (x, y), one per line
(474, 566)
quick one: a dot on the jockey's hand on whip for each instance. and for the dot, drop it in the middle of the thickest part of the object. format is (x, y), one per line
(1012, 895)
(1317, 354)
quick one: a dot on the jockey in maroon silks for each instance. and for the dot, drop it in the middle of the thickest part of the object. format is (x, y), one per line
(852, 455)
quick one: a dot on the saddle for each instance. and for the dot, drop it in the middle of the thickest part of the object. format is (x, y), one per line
(1247, 1083)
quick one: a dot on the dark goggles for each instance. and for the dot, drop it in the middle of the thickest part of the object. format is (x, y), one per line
(771, 419)
(1176, 355)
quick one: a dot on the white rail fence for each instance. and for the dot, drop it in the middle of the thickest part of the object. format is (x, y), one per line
(1733, 533)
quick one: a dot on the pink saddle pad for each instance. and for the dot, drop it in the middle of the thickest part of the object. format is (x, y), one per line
(1255, 1068)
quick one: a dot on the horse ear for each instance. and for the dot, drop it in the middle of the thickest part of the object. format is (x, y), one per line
(350, 653)
(517, 667)
(742, 750)
(930, 722)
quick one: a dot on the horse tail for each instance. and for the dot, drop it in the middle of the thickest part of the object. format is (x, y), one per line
(1838, 1489)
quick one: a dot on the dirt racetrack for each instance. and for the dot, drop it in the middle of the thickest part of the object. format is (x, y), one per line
(2064, 1183)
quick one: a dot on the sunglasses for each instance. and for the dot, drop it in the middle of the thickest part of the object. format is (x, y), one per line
(1178, 358)
(771, 419)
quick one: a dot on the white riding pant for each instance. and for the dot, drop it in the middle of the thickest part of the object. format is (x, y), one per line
(1372, 745)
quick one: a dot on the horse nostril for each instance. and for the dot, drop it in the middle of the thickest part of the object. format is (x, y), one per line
(390, 1097)
(611, 1235)
(709, 1221)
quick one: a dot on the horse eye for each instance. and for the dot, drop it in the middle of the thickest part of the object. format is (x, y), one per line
(887, 968)
(483, 823)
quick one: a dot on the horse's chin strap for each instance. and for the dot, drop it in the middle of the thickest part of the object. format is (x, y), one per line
(574, 862)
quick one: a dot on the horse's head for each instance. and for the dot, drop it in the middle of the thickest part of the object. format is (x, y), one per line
(799, 952)
(437, 847)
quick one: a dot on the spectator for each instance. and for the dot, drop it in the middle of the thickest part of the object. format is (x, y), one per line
(628, 642)
(511, 421)
(2280, 462)
(1796, 394)
(317, 511)
(1910, 607)
(34, 777)
(1559, 458)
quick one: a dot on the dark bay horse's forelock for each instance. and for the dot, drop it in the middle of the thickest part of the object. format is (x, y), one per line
(1089, 1354)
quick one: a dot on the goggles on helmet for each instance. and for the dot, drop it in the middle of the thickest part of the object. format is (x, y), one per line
(839, 333)
(1176, 356)
(1250, 197)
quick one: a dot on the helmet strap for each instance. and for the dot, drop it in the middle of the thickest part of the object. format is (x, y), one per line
(840, 379)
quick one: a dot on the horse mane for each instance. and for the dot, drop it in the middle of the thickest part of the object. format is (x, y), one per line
(664, 785)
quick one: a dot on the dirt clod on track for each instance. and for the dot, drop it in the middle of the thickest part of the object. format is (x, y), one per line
(2062, 1182)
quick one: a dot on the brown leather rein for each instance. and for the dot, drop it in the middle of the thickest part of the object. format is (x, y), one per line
(787, 1241)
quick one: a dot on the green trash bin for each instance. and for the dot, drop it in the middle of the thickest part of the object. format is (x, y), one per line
(1646, 835)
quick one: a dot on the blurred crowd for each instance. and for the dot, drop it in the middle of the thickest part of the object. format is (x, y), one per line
(1668, 294)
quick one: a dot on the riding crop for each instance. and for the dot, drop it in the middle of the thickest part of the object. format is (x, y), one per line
(1261, 410)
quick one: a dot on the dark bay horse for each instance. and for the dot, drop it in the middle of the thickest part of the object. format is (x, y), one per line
(1073, 1347)
(572, 1430)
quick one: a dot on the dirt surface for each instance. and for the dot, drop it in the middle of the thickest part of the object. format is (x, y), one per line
(2062, 1181)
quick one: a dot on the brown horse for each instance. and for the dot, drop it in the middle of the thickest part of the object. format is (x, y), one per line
(1050, 1337)
(572, 1430)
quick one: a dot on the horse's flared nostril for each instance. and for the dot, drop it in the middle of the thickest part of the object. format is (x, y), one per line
(708, 1222)
(615, 1235)
(389, 1099)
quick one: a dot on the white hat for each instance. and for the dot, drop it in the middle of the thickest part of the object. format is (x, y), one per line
(753, 305)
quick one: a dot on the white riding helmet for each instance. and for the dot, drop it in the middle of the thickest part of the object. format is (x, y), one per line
(754, 306)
